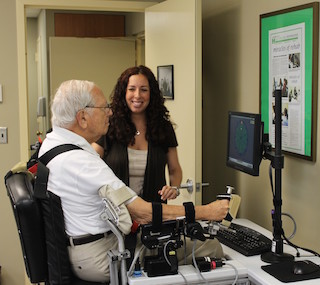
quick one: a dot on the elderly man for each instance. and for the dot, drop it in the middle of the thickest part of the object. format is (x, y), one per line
(80, 116)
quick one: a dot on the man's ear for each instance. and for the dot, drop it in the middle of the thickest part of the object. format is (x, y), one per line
(81, 118)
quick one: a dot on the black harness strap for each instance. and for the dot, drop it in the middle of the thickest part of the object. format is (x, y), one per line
(41, 181)
(190, 212)
(156, 216)
(46, 157)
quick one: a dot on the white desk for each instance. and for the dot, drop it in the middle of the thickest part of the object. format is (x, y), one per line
(249, 268)
(253, 264)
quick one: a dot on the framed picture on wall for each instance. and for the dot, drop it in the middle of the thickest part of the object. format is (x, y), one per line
(289, 47)
(165, 80)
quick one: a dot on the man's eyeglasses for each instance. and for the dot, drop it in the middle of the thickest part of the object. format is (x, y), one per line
(108, 106)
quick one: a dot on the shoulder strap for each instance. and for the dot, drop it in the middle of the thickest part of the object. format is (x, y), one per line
(41, 181)
(46, 157)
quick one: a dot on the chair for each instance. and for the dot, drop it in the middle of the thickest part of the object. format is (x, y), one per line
(41, 230)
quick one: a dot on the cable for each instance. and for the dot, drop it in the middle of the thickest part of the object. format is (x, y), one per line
(271, 180)
(296, 247)
(292, 235)
(165, 252)
(235, 271)
(195, 263)
(185, 257)
(185, 248)
(136, 256)
(294, 225)
(184, 278)
(302, 248)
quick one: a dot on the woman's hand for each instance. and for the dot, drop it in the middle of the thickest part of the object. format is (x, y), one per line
(169, 192)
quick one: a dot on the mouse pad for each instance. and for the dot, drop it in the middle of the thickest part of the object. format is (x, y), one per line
(283, 272)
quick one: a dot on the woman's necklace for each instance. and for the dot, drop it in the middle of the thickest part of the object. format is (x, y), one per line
(138, 133)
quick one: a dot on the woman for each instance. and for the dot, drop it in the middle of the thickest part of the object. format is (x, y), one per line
(140, 143)
(141, 140)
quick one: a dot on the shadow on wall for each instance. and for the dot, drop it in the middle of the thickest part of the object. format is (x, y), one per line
(220, 92)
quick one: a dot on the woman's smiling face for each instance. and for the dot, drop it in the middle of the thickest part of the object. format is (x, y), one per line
(138, 93)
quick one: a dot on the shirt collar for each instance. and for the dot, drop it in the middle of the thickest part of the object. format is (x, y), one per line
(67, 136)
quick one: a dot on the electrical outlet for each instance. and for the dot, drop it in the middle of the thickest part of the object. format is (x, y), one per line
(3, 135)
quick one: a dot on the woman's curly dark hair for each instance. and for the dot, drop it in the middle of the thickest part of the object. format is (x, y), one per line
(121, 127)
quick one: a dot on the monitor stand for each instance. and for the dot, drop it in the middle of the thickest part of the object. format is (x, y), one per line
(277, 161)
(272, 257)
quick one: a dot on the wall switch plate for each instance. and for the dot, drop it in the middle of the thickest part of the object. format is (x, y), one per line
(3, 135)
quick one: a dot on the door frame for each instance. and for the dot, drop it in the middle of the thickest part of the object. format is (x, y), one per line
(21, 6)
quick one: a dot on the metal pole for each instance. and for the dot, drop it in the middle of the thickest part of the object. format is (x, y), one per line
(278, 168)
(276, 254)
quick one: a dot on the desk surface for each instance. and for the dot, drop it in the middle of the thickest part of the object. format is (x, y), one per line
(248, 267)
(253, 263)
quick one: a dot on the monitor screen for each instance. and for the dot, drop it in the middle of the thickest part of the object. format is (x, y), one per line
(244, 142)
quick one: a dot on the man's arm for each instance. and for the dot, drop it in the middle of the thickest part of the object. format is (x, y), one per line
(141, 211)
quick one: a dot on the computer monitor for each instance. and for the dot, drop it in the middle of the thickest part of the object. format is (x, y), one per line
(245, 133)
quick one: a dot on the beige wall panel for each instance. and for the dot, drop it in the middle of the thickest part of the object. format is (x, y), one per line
(98, 60)
(173, 37)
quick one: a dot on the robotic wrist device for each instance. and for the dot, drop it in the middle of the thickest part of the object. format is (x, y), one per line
(166, 237)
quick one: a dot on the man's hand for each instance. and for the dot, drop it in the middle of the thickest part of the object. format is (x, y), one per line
(215, 211)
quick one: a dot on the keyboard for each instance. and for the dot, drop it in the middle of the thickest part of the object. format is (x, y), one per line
(244, 240)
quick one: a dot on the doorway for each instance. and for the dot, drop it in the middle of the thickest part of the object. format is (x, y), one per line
(40, 81)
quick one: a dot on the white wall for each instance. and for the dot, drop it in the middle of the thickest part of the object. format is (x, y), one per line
(231, 82)
(11, 261)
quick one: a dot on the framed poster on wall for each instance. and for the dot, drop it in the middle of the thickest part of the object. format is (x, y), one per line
(165, 80)
(289, 41)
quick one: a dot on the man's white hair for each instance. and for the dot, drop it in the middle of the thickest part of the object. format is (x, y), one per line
(70, 97)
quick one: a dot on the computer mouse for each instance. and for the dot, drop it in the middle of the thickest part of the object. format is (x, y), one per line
(303, 267)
